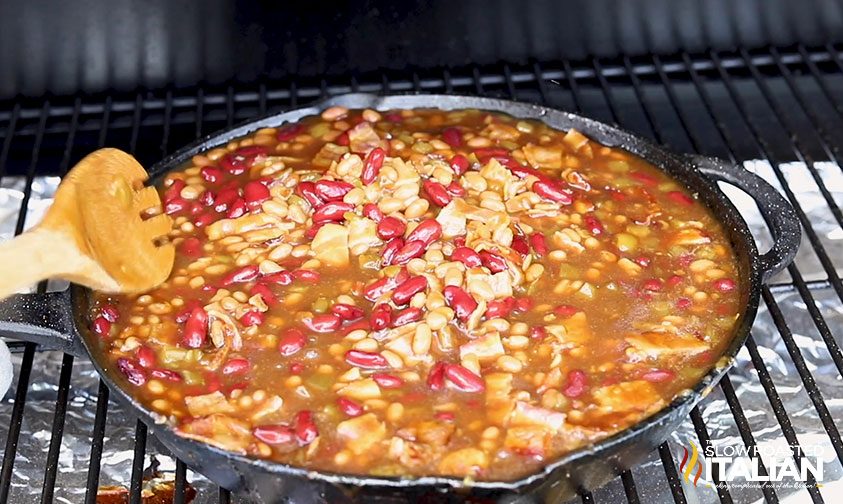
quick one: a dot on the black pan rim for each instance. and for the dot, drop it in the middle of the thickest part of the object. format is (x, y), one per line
(679, 167)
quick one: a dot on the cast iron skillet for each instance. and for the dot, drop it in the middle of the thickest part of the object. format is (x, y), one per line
(59, 320)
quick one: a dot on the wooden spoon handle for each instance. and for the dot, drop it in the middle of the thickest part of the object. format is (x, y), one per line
(36, 255)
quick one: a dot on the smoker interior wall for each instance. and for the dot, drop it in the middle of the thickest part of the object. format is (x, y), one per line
(63, 47)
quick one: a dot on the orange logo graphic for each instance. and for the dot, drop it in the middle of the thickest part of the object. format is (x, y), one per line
(686, 467)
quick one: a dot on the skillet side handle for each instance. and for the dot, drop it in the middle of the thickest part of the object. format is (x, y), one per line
(42, 318)
(777, 212)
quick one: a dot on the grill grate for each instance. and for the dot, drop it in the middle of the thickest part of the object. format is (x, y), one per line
(731, 105)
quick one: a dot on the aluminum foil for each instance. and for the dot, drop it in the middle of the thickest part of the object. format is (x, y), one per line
(650, 478)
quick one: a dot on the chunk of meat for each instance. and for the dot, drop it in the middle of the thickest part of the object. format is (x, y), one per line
(543, 157)
(452, 218)
(435, 433)
(637, 395)
(527, 439)
(486, 348)
(362, 235)
(219, 430)
(657, 344)
(361, 433)
(203, 405)
(330, 245)
(527, 414)
(498, 403)
(464, 462)
(363, 138)
(361, 390)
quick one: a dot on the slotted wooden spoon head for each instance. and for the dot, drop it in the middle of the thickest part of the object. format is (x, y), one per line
(102, 202)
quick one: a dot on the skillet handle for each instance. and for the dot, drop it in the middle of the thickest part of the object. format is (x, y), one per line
(777, 212)
(42, 318)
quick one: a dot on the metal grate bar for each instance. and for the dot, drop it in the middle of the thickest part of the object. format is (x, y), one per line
(586, 497)
(746, 434)
(629, 487)
(821, 81)
(14, 426)
(225, 496)
(137, 463)
(97, 443)
(672, 475)
(780, 413)
(181, 480)
(49, 485)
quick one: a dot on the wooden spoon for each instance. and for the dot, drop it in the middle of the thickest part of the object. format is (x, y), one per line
(95, 233)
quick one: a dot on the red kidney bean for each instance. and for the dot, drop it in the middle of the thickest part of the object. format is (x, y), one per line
(237, 209)
(549, 190)
(207, 198)
(255, 193)
(409, 288)
(306, 275)
(500, 308)
(289, 132)
(372, 165)
(459, 164)
(644, 178)
(525, 171)
(175, 205)
(146, 356)
(184, 314)
(366, 360)
(332, 190)
(652, 285)
(234, 164)
(406, 316)
(343, 139)
(486, 153)
(390, 227)
(210, 174)
(204, 220)
(458, 299)
(109, 312)
(565, 310)
(466, 256)
(240, 275)
(196, 208)
(291, 342)
(101, 326)
(378, 288)
(274, 434)
(452, 137)
(393, 117)
(523, 305)
(410, 250)
(347, 311)
(436, 192)
(575, 384)
(174, 190)
(191, 247)
(387, 381)
(494, 262)
(132, 371)
(539, 244)
(459, 241)
(349, 407)
(323, 323)
(252, 151)
(436, 377)
(592, 224)
(520, 245)
(538, 333)
(673, 281)
(166, 374)
(463, 379)
(195, 328)
(235, 366)
(381, 317)
(725, 284)
(307, 190)
(306, 431)
(454, 189)
(252, 318)
(265, 293)
(279, 278)
(332, 212)
(680, 198)
(658, 375)
(225, 198)
(683, 303)
(390, 249)
(428, 231)
(372, 211)
(642, 261)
